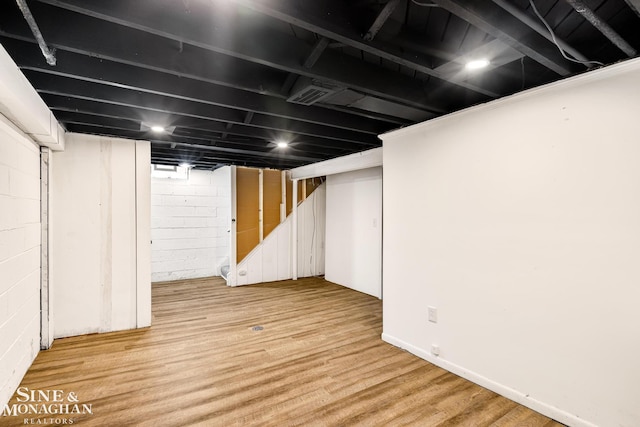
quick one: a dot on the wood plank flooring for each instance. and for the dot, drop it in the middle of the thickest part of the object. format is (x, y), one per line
(318, 361)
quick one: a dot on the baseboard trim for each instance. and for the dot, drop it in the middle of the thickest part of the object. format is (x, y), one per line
(518, 397)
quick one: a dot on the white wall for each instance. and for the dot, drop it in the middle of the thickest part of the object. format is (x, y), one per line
(271, 259)
(519, 220)
(99, 210)
(354, 230)
(190, 220)
(19, 256)
(311, 233)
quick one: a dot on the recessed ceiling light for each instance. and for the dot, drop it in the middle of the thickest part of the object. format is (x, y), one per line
(185, 165)
(282, 144)
(476, 64)
(157, 128)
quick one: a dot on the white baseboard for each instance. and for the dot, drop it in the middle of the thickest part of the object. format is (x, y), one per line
(518, 397)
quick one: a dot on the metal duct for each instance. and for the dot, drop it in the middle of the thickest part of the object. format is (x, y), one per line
(49, 54)
(603, 27)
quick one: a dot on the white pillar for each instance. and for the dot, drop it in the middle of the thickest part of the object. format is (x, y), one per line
(232, 278)
(261, 204)
(46, 312)
(294, 230)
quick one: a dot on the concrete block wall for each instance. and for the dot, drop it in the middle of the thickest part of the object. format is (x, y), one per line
(190, 220)
(19, 256)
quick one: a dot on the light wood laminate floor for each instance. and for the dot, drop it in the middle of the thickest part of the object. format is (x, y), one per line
(318, 361)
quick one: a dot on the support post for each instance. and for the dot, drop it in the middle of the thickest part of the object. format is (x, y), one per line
(261, 204)
(283, 198)
(232, 278)
(294, 231)
(46, 317)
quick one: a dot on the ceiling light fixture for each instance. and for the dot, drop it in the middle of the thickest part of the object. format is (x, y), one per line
(157, 128)
(282, 144)
(477, 64)
(185, 165)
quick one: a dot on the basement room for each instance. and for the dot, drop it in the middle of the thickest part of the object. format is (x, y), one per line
(319, 213)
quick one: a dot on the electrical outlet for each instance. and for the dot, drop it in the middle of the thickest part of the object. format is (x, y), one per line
(433, 314)
(435, 349)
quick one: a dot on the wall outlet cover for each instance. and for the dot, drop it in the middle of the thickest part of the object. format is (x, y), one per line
(433, 314)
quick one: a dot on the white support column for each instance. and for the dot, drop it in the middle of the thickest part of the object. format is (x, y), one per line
(46, 313)
(143, 234)
(261, 204)
(294, 231)
(232, 278)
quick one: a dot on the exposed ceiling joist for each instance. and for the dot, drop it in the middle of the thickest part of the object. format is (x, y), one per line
(539, 28)
(382, 17)
(228, 78)
(272, 154)
(93, 107)
(309, 62)
(498, 52)
(634, 5)
(275, 49)
(494, 20)
(248, 117)
(288, 11)
(94, 69)
(218, 154)
(317, 50)
(193, 134)
(57, 85)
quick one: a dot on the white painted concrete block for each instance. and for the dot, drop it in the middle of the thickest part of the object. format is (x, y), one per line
(19, 257)
(18, 267)
(184, 227)
(197, 177)
(198, 222)
(212, 190)
(23, 185)
(32, 237)
(163, 222)
(10, 240)
(4, 180)
(19, 293)
(4, 310)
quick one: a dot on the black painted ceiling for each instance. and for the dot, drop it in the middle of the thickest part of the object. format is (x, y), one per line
(226, 77)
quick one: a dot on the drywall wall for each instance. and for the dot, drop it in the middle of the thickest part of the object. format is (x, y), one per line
(354, 230)
(99, 210)
(19, 256)
(520, 226)
(190, 225)
(271, 259)
(311, 233)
